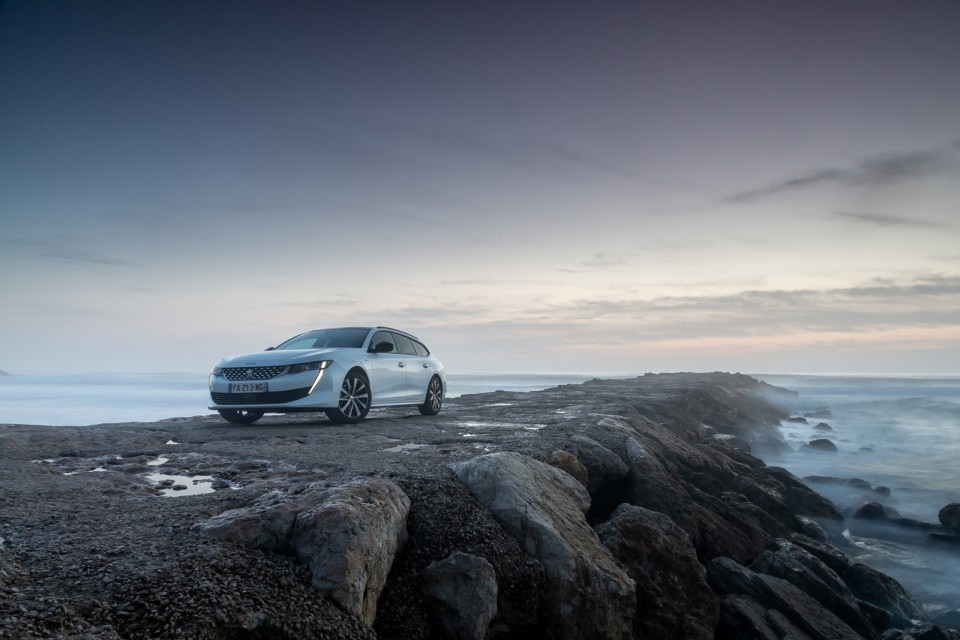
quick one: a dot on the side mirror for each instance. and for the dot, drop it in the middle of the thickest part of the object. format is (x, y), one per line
(383, 347)
(269, 348)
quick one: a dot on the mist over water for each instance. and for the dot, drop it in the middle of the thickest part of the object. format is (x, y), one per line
(902, 433)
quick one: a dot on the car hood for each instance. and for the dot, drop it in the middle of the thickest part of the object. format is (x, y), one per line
(281, 357)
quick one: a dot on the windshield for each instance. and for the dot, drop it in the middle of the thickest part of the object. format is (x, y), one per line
(351, 338)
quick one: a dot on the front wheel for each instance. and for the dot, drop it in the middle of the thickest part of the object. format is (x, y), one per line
(240, 416)
(434, 400)
(354, 402)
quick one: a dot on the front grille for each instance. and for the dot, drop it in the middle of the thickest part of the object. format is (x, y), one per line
(252, 373)
(270, 397)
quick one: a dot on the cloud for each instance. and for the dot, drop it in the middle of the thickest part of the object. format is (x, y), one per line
(875, 171)
(881, 220)
(60, 250)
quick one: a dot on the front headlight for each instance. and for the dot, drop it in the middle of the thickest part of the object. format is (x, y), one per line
(320, 365)
(216, 371)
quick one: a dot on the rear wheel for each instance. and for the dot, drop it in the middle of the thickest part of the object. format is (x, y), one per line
(354, 402)
(240, 416)
(434, 400)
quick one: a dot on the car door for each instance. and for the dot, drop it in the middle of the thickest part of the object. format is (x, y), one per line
(388, 375)
(418, 375)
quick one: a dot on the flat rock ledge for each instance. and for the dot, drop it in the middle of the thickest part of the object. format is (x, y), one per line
(608, 510)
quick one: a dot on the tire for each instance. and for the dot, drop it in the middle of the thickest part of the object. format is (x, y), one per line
(354, 401)
(434, 400)
(240, 416)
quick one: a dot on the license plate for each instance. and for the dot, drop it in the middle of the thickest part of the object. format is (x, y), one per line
(247, 387)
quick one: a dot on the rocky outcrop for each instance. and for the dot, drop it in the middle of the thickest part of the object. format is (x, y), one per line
(634, 509)
(461, 593)
(347, 535)
(588, 595)
(673, 598)
(950, 517)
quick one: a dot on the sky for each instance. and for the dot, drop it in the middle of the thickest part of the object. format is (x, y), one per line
(589, 187)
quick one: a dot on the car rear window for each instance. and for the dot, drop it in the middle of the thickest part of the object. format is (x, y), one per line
(404, 344)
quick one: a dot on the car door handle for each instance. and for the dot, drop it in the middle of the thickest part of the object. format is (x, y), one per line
(400, 364)
(426, 366)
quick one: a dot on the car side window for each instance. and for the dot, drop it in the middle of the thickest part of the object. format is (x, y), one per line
(383, 336)
(421, 349)
(405, 344)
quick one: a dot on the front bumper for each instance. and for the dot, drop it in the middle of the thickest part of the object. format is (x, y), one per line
(284, 393)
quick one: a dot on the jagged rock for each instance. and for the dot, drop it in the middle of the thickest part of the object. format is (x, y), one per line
(726, 577)
(461, 594)
(927, 631)
(819, 444)
(828, 554)
(673, 599)
(743, 618)
(566, 461)
(813, 577)
(870, 511)
(799, 498)
(349, 541)
(881, 590)
(812, 529)
(604, 467)
(266, 524)
(587, 594)
(950, 517)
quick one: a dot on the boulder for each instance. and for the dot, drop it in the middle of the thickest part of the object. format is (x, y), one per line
(604, 467)
(587, 594)
(566, 461)
(819, 444)
(870, 511)
(882, 591)
(673, 598)
(797, 420)
(461, 595)
(950, 517)
(822, 426)
(349, 540)
(813, 577)
(743, 618)
(726, 577)
(266, 524)
(820, 412)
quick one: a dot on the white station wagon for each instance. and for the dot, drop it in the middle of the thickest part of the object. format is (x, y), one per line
(343, 372)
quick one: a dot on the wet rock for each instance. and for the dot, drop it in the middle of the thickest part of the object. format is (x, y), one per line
(882, 490)
(461, 593)
(822, 426)
(797, 420)
(819, 444)
(828, 554)
(949, 619)
(927, 631)
(882, 591)
(820, 412)
(587, 593)
(813, 577)
(950, 517)
(870, 511)
(743, 618)
(673, 599)
(944, 538)
(865, 450)
(726, 577)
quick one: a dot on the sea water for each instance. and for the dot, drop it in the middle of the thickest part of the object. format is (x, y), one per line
(900, 433)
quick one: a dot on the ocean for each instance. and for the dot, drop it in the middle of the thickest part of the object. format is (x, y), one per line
(897, 432)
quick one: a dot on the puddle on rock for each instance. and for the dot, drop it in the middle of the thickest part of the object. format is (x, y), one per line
(400, 448)
(174, 486)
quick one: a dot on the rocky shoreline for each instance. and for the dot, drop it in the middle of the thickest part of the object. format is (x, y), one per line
(612, 509)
